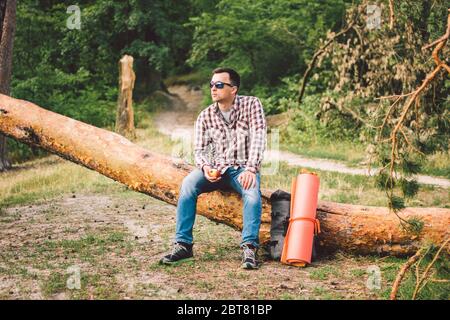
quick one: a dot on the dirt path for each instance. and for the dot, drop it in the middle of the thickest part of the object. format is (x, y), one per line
(179, 125)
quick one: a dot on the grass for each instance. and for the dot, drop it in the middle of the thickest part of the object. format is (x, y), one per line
(83, 246)
(54, 274)
(438, 165)
(51, 264)
(323, 273)
(354, 155)
(56, 282)
(201, 284)
(91, 286)
(350, 153)
(150, 138)
(325, 294)
(353, 189)
(52, 176)
(288, 296)
(358, 273)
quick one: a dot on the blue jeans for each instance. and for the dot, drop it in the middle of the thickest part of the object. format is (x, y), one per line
(195, 184)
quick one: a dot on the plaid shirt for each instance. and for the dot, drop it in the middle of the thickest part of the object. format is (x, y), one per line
(239, 143)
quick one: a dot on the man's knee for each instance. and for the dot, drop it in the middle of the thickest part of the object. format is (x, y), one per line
(252, 196)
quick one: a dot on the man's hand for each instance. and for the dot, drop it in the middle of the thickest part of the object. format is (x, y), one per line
(247, 179)
(206, 172)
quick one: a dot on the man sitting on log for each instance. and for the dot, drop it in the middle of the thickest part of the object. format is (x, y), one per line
(230, 138)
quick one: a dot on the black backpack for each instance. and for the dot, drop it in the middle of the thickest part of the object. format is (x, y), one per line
(281, 205)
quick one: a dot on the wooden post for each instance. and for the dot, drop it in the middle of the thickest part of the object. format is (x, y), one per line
(125, 114)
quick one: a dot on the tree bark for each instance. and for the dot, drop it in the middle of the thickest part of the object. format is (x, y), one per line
(7, 30)
(350, 228)
(125, 114)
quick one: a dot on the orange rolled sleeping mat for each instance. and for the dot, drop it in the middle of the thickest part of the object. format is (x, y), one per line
(298, 244)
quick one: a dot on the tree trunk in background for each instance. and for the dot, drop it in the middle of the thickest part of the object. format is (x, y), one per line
(350, 228)
(125, 114)
(7, 30)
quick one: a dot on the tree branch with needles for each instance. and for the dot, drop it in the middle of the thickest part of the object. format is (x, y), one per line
(421, 279)
(412, 97)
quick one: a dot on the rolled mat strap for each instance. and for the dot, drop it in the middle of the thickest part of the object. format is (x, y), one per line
(315, 221)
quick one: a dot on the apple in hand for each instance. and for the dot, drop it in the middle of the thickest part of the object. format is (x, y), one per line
(214, 173)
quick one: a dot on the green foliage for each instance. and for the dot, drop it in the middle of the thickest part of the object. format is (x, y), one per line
(409, 187)
(75, 72)
(265, 40)
(383, 181)
(19, 152)
(151, 31)
(396, 203)
(283, 97)
(414, 225)
(410, 167)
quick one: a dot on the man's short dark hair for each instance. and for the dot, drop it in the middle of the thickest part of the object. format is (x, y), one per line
(235, 78)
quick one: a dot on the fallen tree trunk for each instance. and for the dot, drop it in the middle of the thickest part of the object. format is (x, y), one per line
(351, 228)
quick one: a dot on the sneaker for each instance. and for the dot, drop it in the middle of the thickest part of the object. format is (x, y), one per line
(249, 257)
(180, 251)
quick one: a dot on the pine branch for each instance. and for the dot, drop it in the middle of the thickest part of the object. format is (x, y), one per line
(402, 272)
(397, 132)
(422, 282)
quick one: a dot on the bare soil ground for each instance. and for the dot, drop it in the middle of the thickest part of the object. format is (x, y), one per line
(116, 240)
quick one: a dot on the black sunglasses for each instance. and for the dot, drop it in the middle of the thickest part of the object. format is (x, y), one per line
(219, 84)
